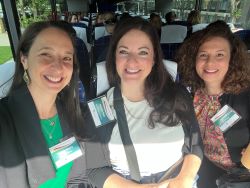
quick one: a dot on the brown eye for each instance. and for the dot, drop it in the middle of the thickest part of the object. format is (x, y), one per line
(143, 53)
(45, 54)
(220, 55)
(202, 56)
(123, 52)
(68, 60)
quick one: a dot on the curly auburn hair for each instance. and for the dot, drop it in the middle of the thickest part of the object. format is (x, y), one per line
(237, 78)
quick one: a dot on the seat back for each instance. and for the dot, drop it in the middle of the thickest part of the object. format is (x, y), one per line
(7, 71)
(245, 36)
(99, 31)
(179, 22)
(102, 83)
(173, 33)
(198, 27)
(84, 22)
(169, 50)
(81, 32)
(100, 49)
(84, 64)
(171, 67)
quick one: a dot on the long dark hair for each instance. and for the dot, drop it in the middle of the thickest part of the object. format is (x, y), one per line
(68, 96)
(237, 77)
(159, 86)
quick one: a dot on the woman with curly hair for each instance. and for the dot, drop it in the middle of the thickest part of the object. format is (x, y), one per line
(216, 70)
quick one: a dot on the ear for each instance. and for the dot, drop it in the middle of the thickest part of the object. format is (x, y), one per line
(24, 61)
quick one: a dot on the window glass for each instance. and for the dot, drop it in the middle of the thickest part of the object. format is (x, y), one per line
(7, 64)
(30, 11)
(235, 12)
(5, 49)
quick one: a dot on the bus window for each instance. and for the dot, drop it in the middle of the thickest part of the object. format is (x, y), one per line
(236, 13)
(33, 11)
(7, 64)
(5, 49)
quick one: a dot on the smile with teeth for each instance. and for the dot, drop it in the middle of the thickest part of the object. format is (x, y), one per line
(132, 71)
(54, 79)
(211, 71)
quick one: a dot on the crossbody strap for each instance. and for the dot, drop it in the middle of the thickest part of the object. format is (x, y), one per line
(125, 136)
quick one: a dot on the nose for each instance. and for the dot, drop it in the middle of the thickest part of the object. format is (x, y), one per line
(58, 64)
(132, 58)
(211, 60)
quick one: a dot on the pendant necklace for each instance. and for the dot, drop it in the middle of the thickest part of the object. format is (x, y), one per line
(50, 133)
(51, 127)
(51, 122)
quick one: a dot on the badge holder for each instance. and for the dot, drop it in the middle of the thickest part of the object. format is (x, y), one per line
(225, 118)
(65, 152)
(100, 111)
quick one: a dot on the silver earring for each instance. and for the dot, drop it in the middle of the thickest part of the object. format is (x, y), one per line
(26, 77)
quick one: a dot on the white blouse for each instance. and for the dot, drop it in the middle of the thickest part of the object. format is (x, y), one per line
(157, 149)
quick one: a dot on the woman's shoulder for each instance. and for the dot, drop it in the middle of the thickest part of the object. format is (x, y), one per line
(5, 115)
(182, 91)
(3, 105)
(244, 94)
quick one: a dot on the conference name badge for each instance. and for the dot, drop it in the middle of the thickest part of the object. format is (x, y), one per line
(65, 152)
(225, 118)
(100, 111)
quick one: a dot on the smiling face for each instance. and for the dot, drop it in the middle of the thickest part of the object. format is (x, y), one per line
(212, 61)
(49, 62)
(134, 58)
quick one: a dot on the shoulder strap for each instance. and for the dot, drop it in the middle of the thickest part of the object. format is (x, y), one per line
(125, 136)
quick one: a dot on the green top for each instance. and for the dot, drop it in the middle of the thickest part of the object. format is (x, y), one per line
(52, 133)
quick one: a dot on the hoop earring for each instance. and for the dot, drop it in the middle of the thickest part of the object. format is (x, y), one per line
(26, 77)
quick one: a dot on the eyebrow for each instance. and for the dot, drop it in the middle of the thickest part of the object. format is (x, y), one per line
(216, 50)
(49, 48)
(143, 47)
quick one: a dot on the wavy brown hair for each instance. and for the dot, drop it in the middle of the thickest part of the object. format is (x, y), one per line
(237, 78)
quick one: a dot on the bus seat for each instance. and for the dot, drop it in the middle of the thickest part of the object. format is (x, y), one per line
(102, 78)
(84, 64)
(173, 33)
(7, 71)
(171, 67)
(100, 31)
(245, 36)
(81, 32)
(79, 24)
(100, 49)
(179, 22)
(84, 22)
(198, 27)
(169, 50)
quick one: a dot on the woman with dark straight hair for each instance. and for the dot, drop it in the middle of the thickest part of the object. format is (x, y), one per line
(158, 113)
(41, 113)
